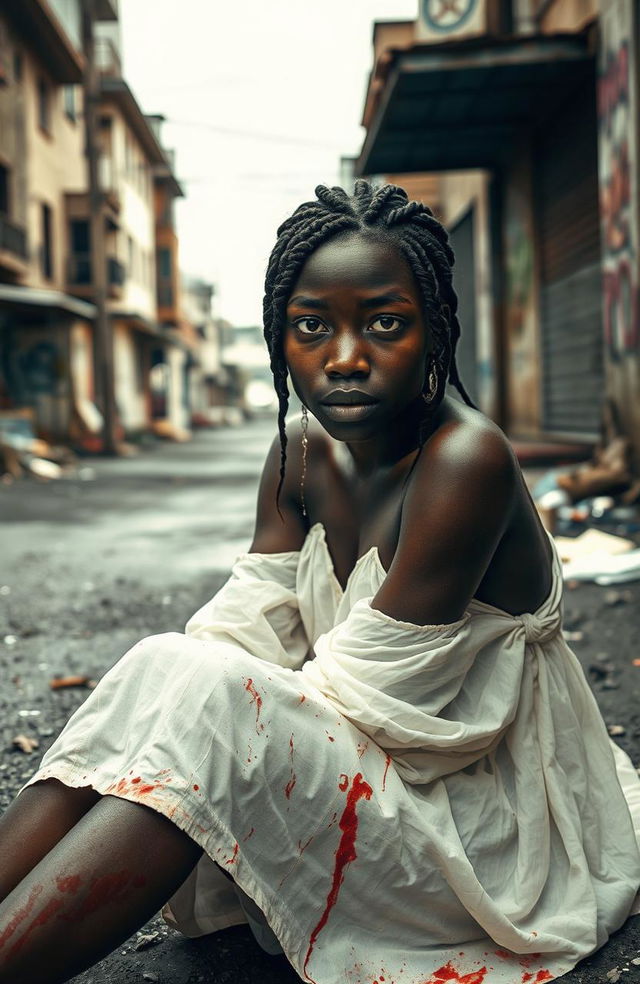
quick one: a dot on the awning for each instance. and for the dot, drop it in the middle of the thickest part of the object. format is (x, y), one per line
(31, 299)
(459, 105)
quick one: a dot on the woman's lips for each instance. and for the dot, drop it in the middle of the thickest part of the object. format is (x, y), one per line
(349, 411)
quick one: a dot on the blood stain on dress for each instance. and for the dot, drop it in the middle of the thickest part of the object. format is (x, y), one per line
(330, 737)
(232, 859)
(504, 954)
(345, 854)
(449, 973)
(70, 883)
(250, 834)
(20, 916)
(344, 781)
(526, 977)
(303, 697)
(386, 769)
(288, 789)
(302, 847)
(542, 976)
(196, 787)
(257, 700)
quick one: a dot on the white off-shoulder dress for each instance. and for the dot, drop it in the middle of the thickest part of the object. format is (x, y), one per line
(412, 805)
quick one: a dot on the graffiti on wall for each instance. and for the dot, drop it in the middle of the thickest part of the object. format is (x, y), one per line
(617, 163)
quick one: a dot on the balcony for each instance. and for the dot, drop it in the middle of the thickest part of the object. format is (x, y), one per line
(13, 238)
(108, 61)
(80, 280)
(13, 247)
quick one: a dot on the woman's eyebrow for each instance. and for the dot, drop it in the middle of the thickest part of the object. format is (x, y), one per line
(308, 302)
(389, 298)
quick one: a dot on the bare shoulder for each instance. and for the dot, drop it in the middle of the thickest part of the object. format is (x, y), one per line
(456, 509)
(466, 452)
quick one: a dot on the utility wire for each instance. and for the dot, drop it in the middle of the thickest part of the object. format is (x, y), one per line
(254, 134)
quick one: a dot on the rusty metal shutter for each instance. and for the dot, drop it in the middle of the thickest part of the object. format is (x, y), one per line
(566, 199)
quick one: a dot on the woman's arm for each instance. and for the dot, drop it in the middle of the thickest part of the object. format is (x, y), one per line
(455, 512)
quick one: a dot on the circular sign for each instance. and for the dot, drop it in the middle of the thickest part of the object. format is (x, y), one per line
(445, 16)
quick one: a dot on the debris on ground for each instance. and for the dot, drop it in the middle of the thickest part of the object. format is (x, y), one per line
(79, 680)
(25, 743)
(145, 940)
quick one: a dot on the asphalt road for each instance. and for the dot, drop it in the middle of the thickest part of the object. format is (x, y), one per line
(131, 547)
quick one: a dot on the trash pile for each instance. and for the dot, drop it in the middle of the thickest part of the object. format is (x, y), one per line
(593, 511)
(23, 453)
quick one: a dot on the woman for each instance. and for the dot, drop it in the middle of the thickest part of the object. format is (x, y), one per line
(375, 728)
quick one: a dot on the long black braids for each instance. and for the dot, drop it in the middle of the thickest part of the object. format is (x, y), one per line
(387, 212)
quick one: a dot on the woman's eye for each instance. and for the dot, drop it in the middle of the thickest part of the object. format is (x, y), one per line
(385, 323)
(310, 326)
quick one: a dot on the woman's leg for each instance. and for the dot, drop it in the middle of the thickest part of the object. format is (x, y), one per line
(104, 879)
(34, 823)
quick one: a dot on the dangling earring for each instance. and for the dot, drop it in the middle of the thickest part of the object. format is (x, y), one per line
(304, 421)
(432, 380)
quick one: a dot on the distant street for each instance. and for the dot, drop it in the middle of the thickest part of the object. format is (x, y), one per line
(131, 547)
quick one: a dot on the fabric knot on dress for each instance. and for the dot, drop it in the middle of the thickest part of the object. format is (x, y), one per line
(539, 628)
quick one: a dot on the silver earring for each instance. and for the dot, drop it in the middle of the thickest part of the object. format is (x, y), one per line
(304, 422)
(432, 381)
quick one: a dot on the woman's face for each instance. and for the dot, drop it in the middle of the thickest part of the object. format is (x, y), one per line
(355, 341)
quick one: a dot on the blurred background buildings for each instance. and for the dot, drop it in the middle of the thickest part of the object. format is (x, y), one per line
(516, 120)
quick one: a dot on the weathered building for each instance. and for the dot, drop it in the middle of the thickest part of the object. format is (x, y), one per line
(527, 112)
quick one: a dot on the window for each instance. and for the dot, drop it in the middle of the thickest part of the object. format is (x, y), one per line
(44, 106)
(4, 190)
(164, 263)
(46, 254)
(69, 95)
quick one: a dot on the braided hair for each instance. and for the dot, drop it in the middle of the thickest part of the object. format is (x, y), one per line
(388, 213)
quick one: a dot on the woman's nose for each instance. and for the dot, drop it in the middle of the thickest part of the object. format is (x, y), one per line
(347, 356)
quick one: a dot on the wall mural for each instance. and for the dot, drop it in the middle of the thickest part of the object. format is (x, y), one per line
(618, 194)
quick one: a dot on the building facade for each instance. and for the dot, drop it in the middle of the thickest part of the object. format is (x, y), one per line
(526, 113)
(49, 352)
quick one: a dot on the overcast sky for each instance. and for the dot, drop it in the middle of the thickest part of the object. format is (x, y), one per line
(261, 99)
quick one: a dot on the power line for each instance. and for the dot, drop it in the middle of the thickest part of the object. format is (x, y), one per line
(254, 134)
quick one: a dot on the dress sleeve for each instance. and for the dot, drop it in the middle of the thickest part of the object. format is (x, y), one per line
(257, 609)
(435, 697)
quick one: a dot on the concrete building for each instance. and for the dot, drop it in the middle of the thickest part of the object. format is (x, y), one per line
(41, 158)
(526, 112)
(48, 348)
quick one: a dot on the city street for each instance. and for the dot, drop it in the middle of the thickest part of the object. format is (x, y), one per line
(131, 547)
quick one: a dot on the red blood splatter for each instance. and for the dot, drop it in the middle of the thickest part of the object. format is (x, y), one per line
(43, 917)
(345, 854)
(288, 789)
(526, 959)
(150, 788)
(196, 786)
(386, 769)
(107, 890)
(543, 975)
(504, 954)
(20, 915)
(344, 782)
(449, 973)
(250, 834)
(137, 779)
(303, 697)
(233, 857)
(330, 737)
(255, 699)
(526, 977)
(69, 884)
